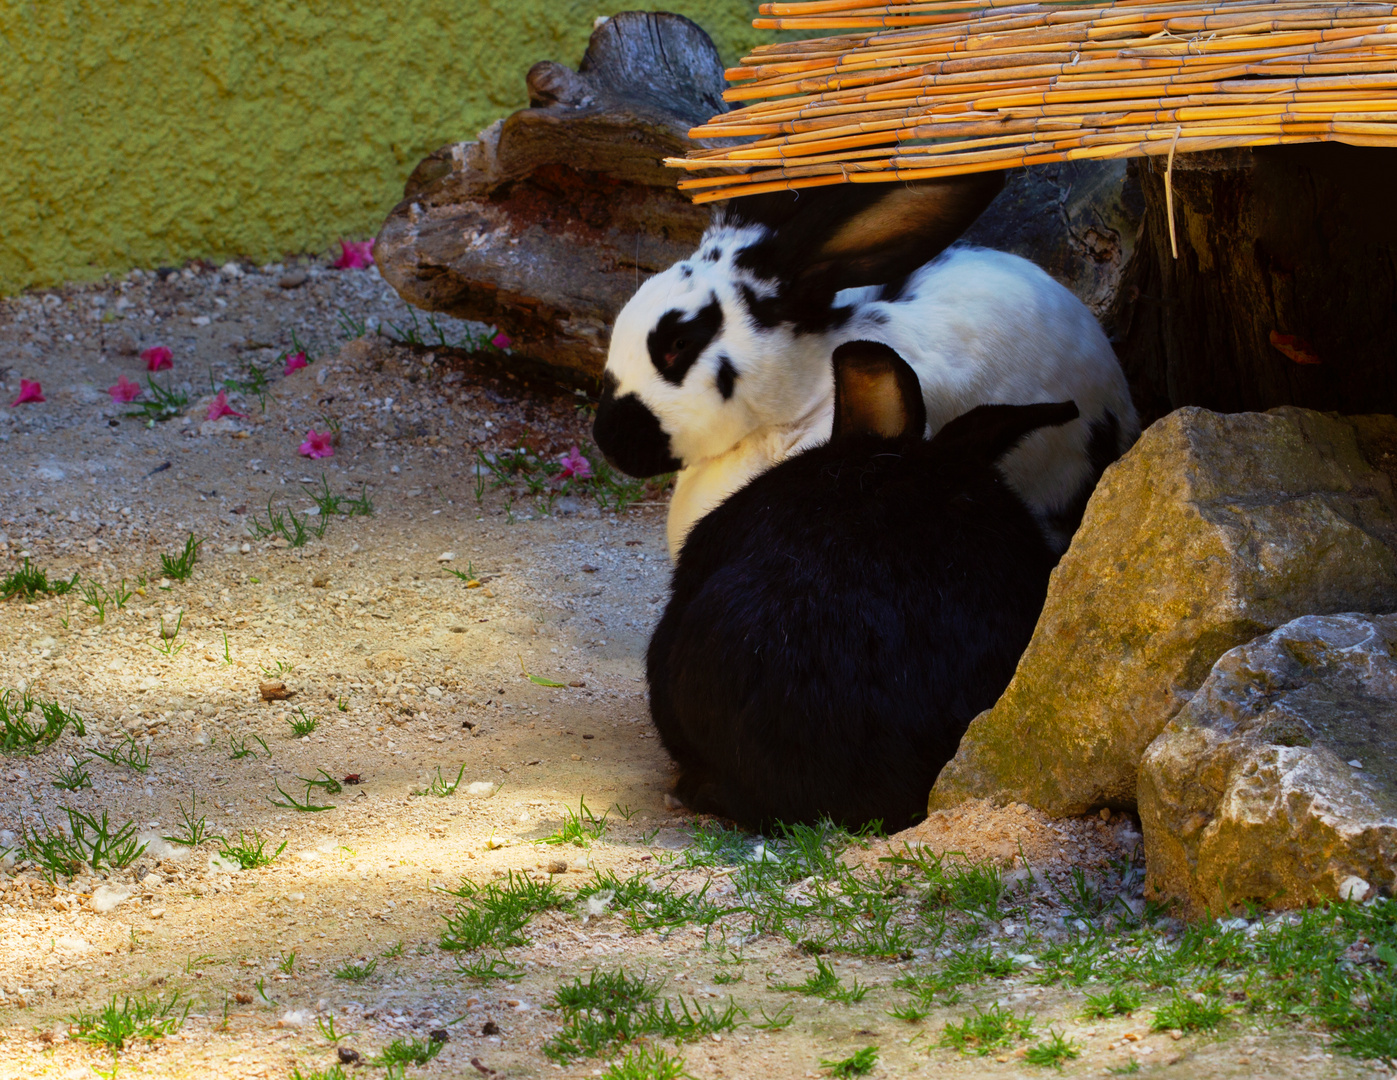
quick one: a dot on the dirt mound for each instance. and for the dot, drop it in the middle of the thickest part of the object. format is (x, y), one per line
(979, 831)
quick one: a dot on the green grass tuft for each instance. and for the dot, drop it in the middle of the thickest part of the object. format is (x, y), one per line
(72, 775)
(1117, 1001)
(405, 1052)
(824, 983)
(29, 581)
(1053, 1052)
(88, 841)
(248, 852)
(1189, 1012)
(985, 1032)
(356, 972)
(611, 1009)
(19, 730)
(179, 566)
(301, 724)
(859, 1064)
(495, 915)
(334, 1072)
(578, 829)
(647, 1064)
(136, 1018)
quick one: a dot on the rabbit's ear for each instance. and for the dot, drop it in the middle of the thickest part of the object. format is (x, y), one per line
(822, 240)
(876, 392)
(988, 432)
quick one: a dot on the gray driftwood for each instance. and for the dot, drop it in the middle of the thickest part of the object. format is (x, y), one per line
(545, 224)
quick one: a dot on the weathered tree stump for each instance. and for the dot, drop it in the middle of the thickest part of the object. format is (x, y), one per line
(1078, 220)
(1285, 288)
(547, 223)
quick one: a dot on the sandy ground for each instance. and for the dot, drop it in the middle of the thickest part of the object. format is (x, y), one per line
(407, 671)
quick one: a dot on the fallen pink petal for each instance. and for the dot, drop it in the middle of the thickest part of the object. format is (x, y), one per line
(295, 362)
(29, 392)
(355, 255)
(158, 359)
(502, 340)
(219, 407)
(124, 391)
(317, 445)
(575, 465)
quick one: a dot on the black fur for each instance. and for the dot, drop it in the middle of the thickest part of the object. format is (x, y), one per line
(726, 378)
(679, 339)
(629, 434)
(837, 623)
(1103, 448)
(799, 223)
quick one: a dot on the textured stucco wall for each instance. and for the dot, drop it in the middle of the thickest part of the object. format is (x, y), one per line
(142, 132)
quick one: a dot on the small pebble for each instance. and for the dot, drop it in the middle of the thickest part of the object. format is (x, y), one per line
(274, 691)
(294, 280)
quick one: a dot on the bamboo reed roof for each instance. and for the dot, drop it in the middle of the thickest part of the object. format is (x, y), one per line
(913, 91)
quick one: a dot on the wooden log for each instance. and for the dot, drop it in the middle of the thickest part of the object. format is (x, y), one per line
(544, 225)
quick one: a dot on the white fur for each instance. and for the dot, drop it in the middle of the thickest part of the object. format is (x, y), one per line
(977, 326)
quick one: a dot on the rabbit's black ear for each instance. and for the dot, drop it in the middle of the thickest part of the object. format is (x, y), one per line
(876, 392)
(822, 240)
(988, 432)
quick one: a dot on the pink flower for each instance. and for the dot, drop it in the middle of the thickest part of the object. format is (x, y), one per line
(317, 445)
(295, 362)
(353, 255)
(28, 391)
(502, 340)
(575, 465)
(219, 407)
(158, 358)
(124, 391)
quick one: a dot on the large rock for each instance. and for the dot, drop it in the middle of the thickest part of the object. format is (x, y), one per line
(1212, 530)
(1277, 783)
(547, 223)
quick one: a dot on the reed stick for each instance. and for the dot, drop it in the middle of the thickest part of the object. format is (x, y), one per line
(922, 89)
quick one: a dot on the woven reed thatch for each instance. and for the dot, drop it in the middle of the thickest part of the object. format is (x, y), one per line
(920, 90)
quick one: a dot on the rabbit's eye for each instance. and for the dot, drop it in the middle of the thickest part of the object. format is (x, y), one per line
(672, 353)
(679, 338)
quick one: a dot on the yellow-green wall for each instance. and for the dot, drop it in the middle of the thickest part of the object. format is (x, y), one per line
(142, 132)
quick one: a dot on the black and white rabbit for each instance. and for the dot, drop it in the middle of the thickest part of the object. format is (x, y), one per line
(720, 366)
(836, 623)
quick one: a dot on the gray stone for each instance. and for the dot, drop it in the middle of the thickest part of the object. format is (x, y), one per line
(1277, 783)
(1212, 530)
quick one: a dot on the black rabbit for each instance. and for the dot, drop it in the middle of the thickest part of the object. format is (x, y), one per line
(837, 623)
